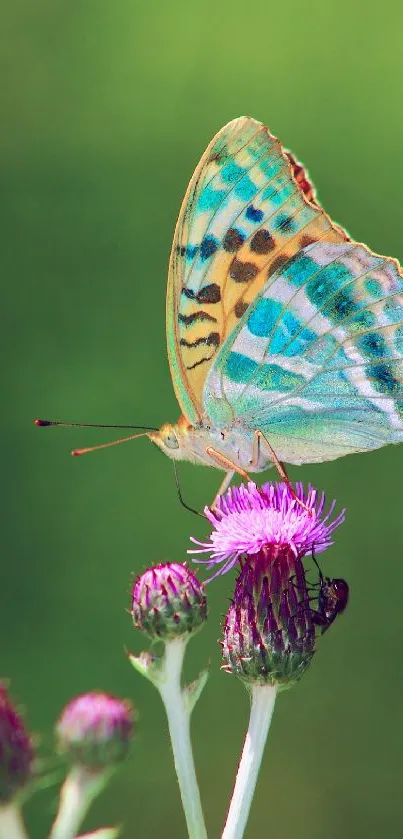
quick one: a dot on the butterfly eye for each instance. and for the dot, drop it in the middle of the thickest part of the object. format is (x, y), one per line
(170, 439)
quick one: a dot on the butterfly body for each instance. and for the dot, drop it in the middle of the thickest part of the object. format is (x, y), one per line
(282, 332)
(182, 441)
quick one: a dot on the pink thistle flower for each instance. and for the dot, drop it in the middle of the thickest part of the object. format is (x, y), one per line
(95, 730)
(16, 750)
(168, 601)
(248, 520)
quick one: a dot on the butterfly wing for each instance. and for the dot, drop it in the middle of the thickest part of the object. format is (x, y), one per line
(316, 363)
(248, 209)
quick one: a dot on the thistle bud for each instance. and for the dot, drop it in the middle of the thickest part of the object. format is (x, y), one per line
(269, 631)
(16, 750)
(168, 602)
(95, 729)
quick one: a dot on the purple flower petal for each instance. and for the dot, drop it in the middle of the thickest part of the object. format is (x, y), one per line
(246, 519)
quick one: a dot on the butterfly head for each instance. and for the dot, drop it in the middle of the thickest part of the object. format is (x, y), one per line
(179, 441)
(166, 438)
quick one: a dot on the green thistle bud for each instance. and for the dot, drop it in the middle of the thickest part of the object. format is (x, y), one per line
(269, 631)
(16, 750)
(95, 729)
(168, 602)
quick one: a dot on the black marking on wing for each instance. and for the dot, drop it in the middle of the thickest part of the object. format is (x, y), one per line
(201, 361)
(233, 240)
(242, 272)
(240, 308)
(209, 294)
(188, 320)
(212, 340)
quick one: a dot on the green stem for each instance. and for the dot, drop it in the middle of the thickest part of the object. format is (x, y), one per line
(11, 823)
(76, 796)
(178, 714)
(263, 698)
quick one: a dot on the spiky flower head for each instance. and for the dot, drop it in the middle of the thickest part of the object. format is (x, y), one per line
(95, 729)
(16, 750)
(247, 519)
(269, 629)
(168, 602)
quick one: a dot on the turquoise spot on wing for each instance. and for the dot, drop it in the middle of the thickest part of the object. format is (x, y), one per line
(263, 317)
(232, 173)
(279, 196)
(398, 339)
(300, 269)
(331, 278)
(246, 189)
(295, 339)
(340, 307)
(373, 287)
(239, 368)
(383, 379)
(208, 246)
(291, 323)
(325, 350)
(210, 199)
(285, 222)
(270, 167)
(191, 252)
(362, 320)
(300, 344)
(333, 382)
(278, 341)
(274, 377)
(286, 328)
(373, 345)
(254, 214)
(393, 310)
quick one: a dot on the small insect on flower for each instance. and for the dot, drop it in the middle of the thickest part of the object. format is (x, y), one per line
(332, 600)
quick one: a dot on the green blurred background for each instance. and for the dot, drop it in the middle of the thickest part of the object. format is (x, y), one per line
(106, 108)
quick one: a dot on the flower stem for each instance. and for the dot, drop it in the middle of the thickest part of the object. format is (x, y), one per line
(77, 793)
(263, 698)
(178, 714)
(11, 824)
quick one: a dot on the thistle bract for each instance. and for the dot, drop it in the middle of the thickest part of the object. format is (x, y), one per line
(269, 632)
(16, 750)
(168, 602)
(95, 729)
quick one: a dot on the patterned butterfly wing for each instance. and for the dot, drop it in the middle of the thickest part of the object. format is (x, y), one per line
(316, 363)
(248, 209)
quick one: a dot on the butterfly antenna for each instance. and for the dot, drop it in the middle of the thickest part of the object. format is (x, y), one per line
(77, 452)
(43, 423)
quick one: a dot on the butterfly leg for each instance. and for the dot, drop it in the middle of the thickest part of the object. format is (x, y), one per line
(259, 438)
(224, 484)
(230, 468)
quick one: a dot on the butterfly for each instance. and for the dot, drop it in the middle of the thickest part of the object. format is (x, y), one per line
(284, 336)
